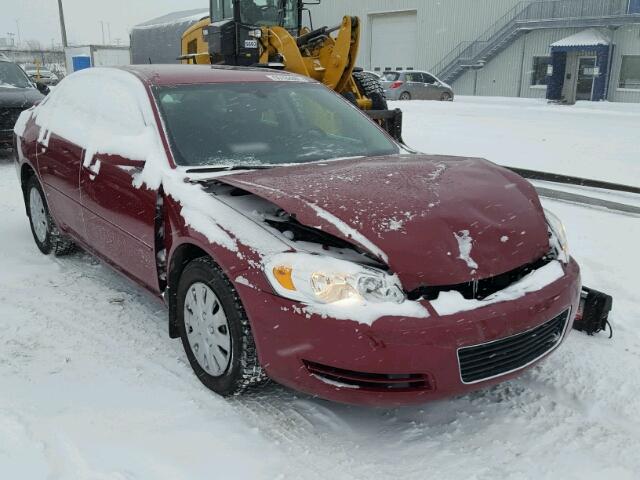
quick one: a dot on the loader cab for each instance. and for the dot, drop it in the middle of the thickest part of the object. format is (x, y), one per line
(236, 26)
(260, 13)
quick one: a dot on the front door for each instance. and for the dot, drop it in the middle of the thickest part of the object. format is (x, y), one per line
(119, 218)
(585, 78)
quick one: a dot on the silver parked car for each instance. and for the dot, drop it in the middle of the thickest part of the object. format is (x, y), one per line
(415, 85)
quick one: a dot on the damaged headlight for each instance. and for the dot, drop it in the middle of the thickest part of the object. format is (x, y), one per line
(557, 236)
(320, 279)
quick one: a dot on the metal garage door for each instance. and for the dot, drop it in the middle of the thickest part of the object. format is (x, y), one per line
(393, 41)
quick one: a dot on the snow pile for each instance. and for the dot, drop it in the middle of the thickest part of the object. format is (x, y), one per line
(103, 110)
(364, 312)
(465, 243)
(449, 303)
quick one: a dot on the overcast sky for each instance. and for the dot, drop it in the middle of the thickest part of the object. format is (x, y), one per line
(38, 19)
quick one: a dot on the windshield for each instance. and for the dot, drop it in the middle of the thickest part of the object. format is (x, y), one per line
(390, 76)
(12, 75)
(235, 124)
(221, 9)
(268, 12)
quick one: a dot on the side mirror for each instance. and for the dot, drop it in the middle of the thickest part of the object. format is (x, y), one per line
(42, 88)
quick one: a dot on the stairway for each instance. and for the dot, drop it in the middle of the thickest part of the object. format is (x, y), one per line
(527, 16)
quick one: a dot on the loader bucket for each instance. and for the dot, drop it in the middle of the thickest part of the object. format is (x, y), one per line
(389, 120)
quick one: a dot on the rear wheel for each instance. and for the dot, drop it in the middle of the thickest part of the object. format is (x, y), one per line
(215, 331)
(45, 232)
(405, 96)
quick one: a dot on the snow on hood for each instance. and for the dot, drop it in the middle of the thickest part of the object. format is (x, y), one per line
(434, 220)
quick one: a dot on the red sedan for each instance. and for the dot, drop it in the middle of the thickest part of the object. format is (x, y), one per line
(292, 239)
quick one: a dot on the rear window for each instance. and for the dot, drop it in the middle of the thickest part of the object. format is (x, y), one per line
(265, 123)
(391, 76)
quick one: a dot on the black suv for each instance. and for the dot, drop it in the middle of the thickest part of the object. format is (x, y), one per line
(17, 93)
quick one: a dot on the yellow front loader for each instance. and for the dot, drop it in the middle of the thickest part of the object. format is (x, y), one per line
(269, 33)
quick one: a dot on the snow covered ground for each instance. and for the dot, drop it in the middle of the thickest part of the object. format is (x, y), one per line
(593, 140)
(91, 387)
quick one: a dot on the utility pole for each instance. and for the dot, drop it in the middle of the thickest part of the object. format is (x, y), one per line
(109, 32)
(63, 29)
(18, 27)
(102, 26)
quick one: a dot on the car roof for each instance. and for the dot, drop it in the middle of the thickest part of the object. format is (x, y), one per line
(180, 74)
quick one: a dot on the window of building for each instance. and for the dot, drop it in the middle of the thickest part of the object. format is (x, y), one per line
(630, 72)
(539, 72)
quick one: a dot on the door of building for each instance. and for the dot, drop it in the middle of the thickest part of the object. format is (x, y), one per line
(585, 78)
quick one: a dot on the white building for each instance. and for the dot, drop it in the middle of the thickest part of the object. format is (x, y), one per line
(559, 49)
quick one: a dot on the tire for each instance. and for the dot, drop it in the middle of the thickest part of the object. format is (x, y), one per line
(404, 96)
(216, 329)
(371, 87)
(45, 232)
(445, 97)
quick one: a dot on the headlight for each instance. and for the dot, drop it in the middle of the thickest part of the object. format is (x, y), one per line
(557, 236)
(320, 279)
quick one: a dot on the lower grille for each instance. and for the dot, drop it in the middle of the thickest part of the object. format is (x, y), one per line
(370, 381)
(488, 360)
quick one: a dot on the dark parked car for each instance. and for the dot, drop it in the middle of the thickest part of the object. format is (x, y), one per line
(17, 93)
(292, 238)
(415, 85)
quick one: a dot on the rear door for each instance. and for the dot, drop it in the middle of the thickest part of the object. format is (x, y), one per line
(59, 162)
(59, 158)
(120, 219)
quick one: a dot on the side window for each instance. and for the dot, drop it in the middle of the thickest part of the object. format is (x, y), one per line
(412, 77)
(430, 79)
(539, 72)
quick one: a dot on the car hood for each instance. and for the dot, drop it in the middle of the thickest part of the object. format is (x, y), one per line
(434, 220)
(13, 97)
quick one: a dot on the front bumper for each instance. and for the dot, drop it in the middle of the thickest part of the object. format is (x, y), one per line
(291, 344)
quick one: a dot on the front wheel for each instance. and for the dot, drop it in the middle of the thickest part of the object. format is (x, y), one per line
(45, 232)
(445, 97)
(215, 331)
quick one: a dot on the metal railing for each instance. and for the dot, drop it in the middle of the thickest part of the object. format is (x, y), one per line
(470, 52)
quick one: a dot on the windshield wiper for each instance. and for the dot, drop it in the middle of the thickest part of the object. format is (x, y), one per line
(228, 168)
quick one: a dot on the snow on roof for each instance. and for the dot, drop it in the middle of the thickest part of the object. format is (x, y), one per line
(183, 16)
(585, 38)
